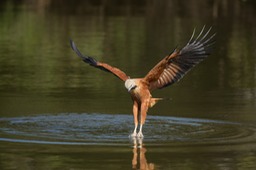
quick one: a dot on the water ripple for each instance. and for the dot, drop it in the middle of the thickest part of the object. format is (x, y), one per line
(106, 129)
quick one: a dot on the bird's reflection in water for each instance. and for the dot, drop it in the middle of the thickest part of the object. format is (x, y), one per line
(139, 160)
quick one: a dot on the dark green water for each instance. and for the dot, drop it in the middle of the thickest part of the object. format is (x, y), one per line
(58, 113)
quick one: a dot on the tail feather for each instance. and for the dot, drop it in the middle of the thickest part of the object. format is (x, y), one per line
(153, 101)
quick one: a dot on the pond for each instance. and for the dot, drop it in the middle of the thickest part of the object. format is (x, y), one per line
(59, 113)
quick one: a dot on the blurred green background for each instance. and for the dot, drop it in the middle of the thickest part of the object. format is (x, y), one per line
(39, 73)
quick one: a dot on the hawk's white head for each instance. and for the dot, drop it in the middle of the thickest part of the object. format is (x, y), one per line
(130, 84)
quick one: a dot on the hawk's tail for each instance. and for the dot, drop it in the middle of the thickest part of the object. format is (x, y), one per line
(153, 101)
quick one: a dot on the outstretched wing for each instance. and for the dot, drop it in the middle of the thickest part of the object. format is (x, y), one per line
(174, 66)
(103, 66)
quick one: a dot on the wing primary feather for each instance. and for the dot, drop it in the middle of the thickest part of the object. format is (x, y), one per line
(192, 36)
(206, 41)
(86, 59)
(205, 35)
(200, 34)
(209, 44)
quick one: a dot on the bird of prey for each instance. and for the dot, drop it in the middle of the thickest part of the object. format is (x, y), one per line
(168, 71)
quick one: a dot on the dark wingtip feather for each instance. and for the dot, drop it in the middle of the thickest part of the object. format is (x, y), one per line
(74, 48)
(86, 59)
(200, 45)
(72, 44)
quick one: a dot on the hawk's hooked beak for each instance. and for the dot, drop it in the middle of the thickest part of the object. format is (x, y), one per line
(132, 88)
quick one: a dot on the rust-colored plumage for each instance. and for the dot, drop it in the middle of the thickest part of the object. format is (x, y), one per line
(168, 71)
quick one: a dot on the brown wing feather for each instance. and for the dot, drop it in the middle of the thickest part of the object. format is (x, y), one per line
(154, 74)
(103, 66)
(173, 67)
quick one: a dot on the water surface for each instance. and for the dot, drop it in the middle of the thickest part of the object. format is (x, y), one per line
(71, 134)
